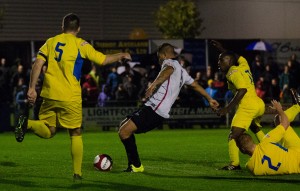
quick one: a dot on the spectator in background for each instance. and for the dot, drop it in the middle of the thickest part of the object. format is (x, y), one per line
(121, 95)
(135, 76)
(273, 92)
(21, 103)
(103, 96)
(90, 91)
(200, 79)
(219, 84)
(5, 96)
(93, 73)
(284, 81)
(211, 91)
(112, 82)
(131, 88)
(209, 74)
(257, 68)
(294, 72)
(267, 75)
(274, 68)
(16, 77)
(260, 87)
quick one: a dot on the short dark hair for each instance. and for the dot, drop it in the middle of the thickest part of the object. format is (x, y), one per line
(231, 54)
(71, 22)
(166, 47)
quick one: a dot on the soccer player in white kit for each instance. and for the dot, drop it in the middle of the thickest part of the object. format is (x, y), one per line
(161, 95)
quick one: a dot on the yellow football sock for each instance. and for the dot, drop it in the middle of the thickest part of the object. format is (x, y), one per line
(233, 153)
(292, 112)
(260, 135)
(77, 153)
(39, 128)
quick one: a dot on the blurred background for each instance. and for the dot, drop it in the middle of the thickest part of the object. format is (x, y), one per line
(265, 32)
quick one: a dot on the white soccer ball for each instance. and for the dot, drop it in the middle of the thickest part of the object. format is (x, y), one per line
(103, 162)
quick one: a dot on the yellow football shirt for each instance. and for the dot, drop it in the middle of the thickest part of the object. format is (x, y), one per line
(241, 77)
(271, 158)
(65, 54)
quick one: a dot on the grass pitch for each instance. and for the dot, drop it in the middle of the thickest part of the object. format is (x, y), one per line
(173, 160)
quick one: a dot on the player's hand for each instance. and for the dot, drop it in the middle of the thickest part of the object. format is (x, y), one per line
(149, 92)
(218, 45)
(213, 104)
(126, 57)
(276, 106)
(31, 96)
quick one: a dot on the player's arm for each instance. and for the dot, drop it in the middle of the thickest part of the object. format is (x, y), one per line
(235, 100)
(196, 87)
(220, 48)
(284, 121)
(164, 74)
(111, 58)
(34, 75)
(89, 52)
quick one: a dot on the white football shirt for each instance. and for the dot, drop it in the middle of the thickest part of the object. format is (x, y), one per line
(162, 100)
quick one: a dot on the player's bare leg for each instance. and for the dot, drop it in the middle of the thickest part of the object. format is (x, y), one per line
(126, 134)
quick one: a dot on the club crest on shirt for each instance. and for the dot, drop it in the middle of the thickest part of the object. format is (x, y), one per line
(83, 43)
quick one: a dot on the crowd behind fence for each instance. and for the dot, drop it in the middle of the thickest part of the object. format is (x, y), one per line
(124, 85)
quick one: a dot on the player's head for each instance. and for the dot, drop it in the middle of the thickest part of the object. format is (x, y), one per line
(226, 60)
(166, 51)
(71, 23)
(245, 143)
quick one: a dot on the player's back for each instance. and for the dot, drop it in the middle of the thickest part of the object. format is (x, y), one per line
(272, 158)
(62, 79)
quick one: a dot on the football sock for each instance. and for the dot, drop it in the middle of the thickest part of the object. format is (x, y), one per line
(39, 128)
(77, 153)
(260, 135)
(131, 151)
(233, 153)
(292, 112)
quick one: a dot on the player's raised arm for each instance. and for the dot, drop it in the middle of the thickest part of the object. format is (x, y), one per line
(284, 121)
(218, 45)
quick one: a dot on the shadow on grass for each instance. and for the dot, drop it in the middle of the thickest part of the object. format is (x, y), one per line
(85, 184)
(267, 179)
(22, 183)
(98, 185)
(8, 164)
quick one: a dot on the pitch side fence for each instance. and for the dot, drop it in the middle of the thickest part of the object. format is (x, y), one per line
(181, 117)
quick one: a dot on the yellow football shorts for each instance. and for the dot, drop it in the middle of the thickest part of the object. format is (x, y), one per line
(249, 109)
(65, 114)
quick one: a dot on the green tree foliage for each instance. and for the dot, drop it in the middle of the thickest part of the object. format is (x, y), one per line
(179, 19)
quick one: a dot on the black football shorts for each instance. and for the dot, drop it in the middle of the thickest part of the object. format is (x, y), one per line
(145, 119)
